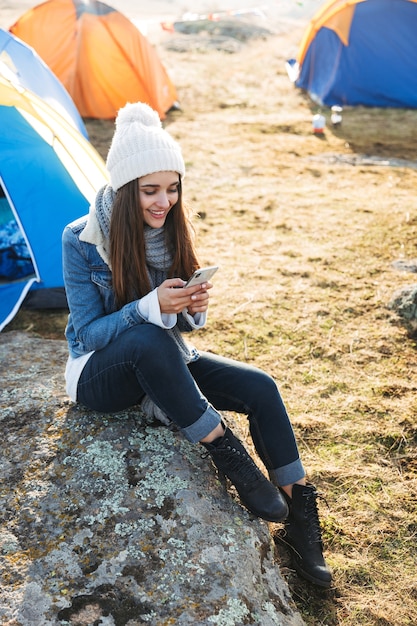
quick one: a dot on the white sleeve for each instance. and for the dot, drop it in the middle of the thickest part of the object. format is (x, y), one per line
(196, 321)
(150, 311)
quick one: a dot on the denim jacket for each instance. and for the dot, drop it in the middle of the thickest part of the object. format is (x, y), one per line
(94, 320)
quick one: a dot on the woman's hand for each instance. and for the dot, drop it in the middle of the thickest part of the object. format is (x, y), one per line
(174, 298)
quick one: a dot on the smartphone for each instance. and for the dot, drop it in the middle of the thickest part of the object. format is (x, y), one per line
(201, 276)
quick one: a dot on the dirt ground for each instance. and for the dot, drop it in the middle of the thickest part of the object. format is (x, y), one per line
(306, 229)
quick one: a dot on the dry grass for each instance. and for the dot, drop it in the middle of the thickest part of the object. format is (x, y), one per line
(306, 244)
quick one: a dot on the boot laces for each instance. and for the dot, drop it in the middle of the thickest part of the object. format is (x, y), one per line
(241, 462)
(312, 517)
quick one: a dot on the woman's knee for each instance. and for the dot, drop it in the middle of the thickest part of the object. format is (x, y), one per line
(262, 383)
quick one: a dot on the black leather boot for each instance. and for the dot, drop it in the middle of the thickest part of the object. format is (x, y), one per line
(256, 492)
(303, 535)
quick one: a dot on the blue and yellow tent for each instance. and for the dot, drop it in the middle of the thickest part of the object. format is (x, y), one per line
(49, 174)
(361, 52)
(21, 64)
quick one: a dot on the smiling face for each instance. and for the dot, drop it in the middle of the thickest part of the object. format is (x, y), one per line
(158, 193)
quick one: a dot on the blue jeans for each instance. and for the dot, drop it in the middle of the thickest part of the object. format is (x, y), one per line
(146, 360)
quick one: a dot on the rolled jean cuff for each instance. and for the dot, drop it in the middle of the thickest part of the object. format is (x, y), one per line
(203, 426)
(288, 474)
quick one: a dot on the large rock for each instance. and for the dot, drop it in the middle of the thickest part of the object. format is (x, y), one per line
(404, 303)
(108, 519)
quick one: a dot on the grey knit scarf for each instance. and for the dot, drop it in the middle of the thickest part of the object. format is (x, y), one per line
(103, 206)
(158, 257)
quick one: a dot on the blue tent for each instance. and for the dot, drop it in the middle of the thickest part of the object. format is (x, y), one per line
(49, 174)
(361, 52)
(20, 63)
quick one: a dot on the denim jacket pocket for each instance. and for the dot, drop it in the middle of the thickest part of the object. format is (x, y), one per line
(103, 279)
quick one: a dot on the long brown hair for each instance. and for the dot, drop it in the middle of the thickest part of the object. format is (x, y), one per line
(127, 243)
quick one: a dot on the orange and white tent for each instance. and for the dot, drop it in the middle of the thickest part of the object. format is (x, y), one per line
(99, 56)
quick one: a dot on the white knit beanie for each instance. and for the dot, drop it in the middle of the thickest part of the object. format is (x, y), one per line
(140, 146)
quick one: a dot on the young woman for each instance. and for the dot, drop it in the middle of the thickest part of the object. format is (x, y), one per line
(125, 266)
